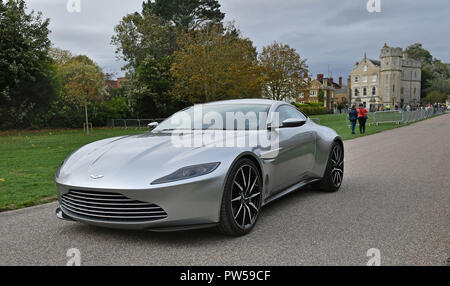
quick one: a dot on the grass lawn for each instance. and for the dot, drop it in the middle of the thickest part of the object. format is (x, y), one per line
(341, 124)
(29, 159)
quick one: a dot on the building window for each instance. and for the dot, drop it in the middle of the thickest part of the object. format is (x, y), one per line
(393, 88)
(364, 91)
(374, 78)
(365, 68)
(356, 79)
(401, 90)
(313, 93)
(365, 78)
(356, 92)
(415, 91)
(374, 90)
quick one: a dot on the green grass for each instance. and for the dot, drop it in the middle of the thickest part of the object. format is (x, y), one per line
(29, 159)
(341, 124)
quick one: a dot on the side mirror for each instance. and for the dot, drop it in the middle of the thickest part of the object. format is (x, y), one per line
(153, 125)
(293, 122)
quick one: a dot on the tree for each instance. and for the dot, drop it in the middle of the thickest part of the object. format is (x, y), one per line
(417, 52)
(435, 97)
(283, 71)
(26, 73)
(434, 72)
(140, 36)
(215, 64)
(59, 56)
(83, 83)
(186, 14)
(439, 84)
(147, 43)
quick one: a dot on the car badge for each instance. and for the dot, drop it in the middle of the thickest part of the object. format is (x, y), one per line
(96, 177)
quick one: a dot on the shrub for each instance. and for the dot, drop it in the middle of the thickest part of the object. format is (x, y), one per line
(312, 109)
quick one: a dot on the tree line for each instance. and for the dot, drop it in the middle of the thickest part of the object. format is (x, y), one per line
(177, 53)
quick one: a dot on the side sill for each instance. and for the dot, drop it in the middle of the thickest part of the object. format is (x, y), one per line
(289, 190)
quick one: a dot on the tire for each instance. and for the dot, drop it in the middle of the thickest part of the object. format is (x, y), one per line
(334, 173)
(242, 198)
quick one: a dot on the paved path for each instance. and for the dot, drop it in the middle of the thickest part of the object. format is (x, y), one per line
(396, 197)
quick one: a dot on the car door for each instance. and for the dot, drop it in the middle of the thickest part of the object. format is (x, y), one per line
(297, 150)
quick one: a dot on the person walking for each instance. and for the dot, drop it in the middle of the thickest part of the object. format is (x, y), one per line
(362, 118)
(353, 117)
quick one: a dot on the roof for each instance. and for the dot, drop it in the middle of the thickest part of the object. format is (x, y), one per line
(375, 62)
(343, 90)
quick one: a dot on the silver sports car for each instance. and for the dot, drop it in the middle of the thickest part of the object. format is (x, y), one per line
(211, 165)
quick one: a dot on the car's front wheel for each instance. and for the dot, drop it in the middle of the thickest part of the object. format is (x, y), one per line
(334, 173)
(242, 198)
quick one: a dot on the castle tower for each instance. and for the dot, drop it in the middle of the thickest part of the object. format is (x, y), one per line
(391, 75)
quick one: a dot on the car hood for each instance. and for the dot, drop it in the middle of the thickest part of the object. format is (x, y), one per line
(139, 158)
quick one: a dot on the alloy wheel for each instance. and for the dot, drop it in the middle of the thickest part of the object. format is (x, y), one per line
(337, 165)
(246, 196)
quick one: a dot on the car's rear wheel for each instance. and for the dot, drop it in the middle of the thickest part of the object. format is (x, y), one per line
(334, 173)
(242, 198)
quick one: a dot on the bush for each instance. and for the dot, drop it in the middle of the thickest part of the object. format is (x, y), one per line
(312, 109)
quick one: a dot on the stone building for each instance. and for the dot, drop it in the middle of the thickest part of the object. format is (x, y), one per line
(395, 80)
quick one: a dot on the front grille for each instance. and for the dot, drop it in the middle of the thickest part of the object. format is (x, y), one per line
(110, 207)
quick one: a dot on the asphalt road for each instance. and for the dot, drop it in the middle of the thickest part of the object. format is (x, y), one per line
(396, 198)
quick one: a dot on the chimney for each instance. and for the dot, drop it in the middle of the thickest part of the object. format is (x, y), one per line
(340, 81)
(319, 77)
(331, 80)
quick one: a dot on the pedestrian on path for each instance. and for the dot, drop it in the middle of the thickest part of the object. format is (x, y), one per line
(362, 118)
(353, 117)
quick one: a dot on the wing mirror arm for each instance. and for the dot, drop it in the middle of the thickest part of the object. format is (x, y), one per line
(152, 125)
(293, 122)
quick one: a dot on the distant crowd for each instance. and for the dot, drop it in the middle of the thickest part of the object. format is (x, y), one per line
(408, 107)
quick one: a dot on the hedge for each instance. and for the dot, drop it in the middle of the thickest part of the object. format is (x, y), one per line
(312, 109)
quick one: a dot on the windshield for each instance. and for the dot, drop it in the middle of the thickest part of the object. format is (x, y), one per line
(218, 117)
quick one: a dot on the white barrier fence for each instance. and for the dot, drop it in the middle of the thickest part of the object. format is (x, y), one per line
(404, 116)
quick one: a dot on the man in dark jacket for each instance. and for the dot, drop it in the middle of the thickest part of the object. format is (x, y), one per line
(353, 117)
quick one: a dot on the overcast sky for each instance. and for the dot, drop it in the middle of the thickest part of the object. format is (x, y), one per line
(327, 32)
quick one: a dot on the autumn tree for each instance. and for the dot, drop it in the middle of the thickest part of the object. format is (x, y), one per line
(60, 56)
(83, 83)
(283, 71)
(216, 64)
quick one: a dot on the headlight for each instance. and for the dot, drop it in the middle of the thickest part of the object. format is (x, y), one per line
(187, 173)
